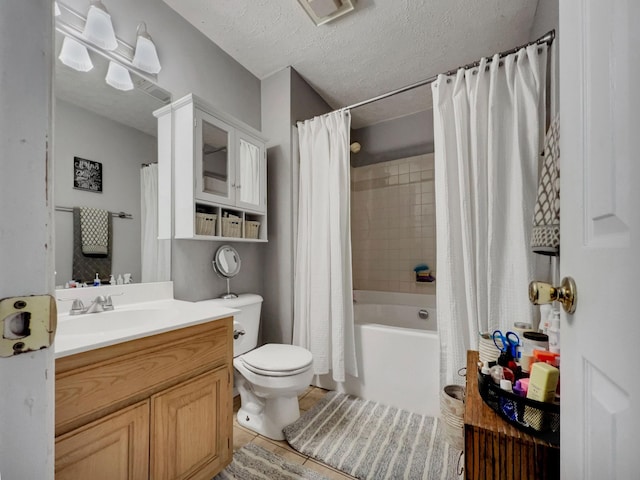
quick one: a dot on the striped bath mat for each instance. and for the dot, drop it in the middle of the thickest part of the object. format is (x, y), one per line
(372, 441)
(252, 462)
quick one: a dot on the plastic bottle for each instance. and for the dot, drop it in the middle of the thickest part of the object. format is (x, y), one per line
(545, 318)
(96, 281)
(554, 332)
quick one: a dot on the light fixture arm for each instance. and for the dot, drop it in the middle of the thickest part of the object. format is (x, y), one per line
(71, 24)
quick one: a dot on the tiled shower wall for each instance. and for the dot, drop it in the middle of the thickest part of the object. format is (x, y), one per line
(393, 224)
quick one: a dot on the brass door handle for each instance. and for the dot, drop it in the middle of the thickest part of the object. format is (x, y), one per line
(541, 293)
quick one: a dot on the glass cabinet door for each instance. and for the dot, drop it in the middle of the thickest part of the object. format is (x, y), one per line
(215, 172)
(251, 174)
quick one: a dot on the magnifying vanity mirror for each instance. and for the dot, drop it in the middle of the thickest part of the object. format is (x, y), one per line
(226, 263)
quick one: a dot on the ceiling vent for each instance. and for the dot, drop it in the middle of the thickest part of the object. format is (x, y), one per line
(324, 11)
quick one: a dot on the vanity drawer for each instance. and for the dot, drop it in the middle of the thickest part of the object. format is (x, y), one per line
(92, 384)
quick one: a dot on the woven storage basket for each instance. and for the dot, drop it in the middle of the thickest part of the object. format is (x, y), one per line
(206, 223)
(251, 229)
(540, 419)
(452, 412)
(232, 227)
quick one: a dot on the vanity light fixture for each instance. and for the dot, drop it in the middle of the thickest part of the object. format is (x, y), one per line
(75, 55)
(118, 77)
(145, 56)
(98, 29)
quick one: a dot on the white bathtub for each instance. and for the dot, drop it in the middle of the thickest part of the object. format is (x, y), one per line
(398, 353)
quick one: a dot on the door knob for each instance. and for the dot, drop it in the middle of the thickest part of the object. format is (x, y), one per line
(541, 293)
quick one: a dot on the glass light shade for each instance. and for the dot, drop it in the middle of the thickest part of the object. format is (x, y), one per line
(145, 57)
(99, 29)
(75, 55)
(119, 77)
(56, 9)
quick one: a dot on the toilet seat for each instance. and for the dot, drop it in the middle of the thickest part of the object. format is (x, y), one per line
(277, 360)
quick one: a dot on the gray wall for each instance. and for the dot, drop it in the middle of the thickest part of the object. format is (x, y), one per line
(191, 63)
(286, 99)
(277, 309)
(121, 150)
(546, 18)
(402, 137)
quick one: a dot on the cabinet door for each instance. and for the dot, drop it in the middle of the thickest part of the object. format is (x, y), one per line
(251, 174)
(214, 160)
(115, 447)
(191, 428)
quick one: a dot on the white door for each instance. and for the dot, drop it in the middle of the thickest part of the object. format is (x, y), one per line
(600, 237)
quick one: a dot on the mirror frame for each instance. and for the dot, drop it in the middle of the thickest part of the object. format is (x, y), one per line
(223, 272)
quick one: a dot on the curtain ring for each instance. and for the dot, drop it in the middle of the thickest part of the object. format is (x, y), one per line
(463, 369)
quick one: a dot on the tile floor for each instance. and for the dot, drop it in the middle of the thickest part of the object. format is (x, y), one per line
(243, 436)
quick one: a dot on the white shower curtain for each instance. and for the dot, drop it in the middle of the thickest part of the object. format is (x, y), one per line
(323, 302)
(489, 126)
(156, 254)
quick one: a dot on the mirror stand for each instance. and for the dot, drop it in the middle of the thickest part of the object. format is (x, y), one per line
(229, 294)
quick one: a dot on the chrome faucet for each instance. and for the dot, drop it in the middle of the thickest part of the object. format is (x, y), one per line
(101, 303)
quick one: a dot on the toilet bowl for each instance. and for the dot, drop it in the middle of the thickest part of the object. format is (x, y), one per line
(269, 378)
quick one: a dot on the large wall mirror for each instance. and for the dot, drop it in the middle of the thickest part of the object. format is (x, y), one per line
(102, 139)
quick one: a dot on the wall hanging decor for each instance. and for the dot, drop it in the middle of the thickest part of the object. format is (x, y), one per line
(87, 175)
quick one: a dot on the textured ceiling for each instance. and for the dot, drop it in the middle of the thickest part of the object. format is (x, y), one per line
(381, 46)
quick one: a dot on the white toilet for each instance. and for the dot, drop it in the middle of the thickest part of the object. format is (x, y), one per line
(268, 378)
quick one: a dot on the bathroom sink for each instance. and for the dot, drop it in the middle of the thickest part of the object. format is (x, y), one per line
(105, 323)
(81, 333)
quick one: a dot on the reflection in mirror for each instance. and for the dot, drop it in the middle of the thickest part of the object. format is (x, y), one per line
(116, 131)
(226, 263)
(215, 159)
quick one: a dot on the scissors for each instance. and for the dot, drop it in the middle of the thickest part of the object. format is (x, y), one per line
(508, 342)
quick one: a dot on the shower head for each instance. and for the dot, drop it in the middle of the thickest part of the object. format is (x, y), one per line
(355, 147)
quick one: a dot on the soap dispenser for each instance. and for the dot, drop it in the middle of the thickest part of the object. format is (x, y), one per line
(96, 281)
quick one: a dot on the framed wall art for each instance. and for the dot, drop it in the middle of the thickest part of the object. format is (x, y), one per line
(87, 175)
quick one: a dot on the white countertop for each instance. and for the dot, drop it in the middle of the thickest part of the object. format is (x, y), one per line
(128, 321)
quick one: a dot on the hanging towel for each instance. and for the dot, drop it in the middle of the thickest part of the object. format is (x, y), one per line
(94, 225)
(545, 238)
(85, 267)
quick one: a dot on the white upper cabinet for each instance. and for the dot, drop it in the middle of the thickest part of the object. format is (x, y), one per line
(216, 170)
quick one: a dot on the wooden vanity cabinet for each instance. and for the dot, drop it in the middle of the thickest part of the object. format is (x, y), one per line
(115, 447)
(155, 408)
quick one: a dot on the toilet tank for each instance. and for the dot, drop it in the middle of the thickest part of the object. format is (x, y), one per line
(247, 320)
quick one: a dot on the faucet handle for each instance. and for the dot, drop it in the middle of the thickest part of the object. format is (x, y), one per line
(77, 307)
(108, 304)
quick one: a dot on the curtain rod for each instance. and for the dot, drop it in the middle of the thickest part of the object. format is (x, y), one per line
(115, 214)
(546, 38)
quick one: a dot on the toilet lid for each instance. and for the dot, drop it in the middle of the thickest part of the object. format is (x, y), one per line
(277, 360)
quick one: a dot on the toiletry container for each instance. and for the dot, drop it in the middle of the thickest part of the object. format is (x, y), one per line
(542, 388)
(554, 332)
